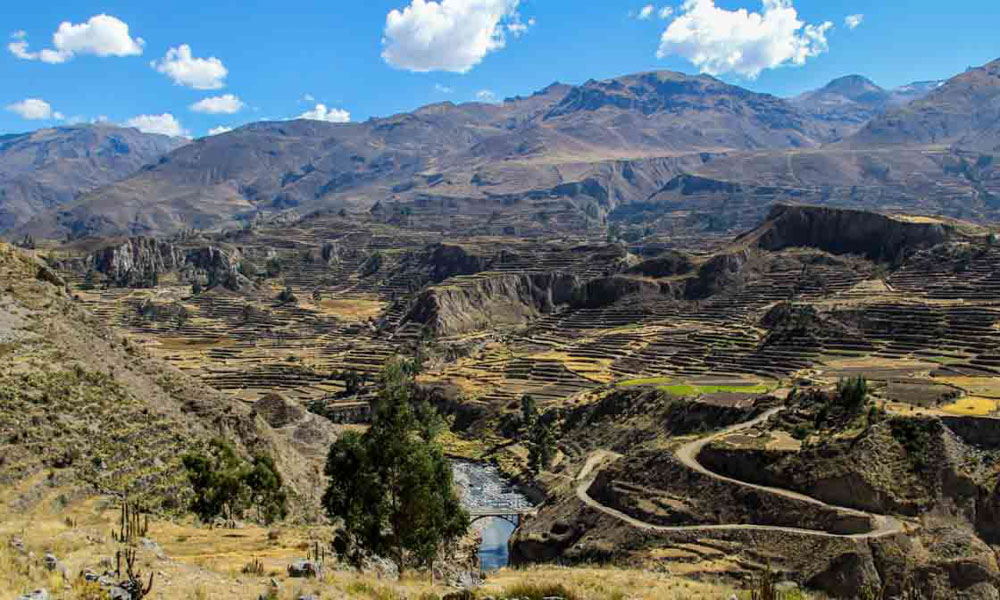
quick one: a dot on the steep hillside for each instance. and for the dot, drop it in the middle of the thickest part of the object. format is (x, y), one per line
(560, 143)
(963, 112)
(100, 414)
(50, 167)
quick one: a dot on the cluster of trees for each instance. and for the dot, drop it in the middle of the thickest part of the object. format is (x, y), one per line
(225, 485)
(390, 486)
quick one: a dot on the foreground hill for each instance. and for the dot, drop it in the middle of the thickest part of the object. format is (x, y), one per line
(50, 167)
(545, 145)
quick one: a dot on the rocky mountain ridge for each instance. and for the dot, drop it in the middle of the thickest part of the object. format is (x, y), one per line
(47, 168)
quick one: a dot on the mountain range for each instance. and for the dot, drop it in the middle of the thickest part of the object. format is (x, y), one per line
(50, 167)
(568, 155)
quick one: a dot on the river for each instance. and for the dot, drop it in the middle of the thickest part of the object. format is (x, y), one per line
(483, 487)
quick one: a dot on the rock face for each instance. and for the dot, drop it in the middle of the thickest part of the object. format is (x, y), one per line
(278, 410)
(845, 231)
(139, 261)
(491, 301)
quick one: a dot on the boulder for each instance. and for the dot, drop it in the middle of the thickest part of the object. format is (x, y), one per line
(304, 568)
(278, 410)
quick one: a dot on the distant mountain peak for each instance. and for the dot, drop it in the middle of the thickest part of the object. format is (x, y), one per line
(852, 86)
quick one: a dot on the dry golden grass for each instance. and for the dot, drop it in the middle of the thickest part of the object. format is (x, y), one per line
(203, 563)
(353, 309)
(972, 405)
(977, 386)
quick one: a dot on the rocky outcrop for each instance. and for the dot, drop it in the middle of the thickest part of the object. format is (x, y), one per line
(438, 262)
(218, 266)
(136, 262)
(491, 301)
(140, 261)
(843, 231)
(669, 264)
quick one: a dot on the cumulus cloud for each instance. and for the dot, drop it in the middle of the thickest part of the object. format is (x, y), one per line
(645, 12)
(185, 69)
(443, 89)
(34, 109)
(852, 21)
(448, 35)
(226, 104)
(331, 115)
(219, 129)
(101, 35)
(722, 41)
(666, 12)
(486, 96)
(165, 124)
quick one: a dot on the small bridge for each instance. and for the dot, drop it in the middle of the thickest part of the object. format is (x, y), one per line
(514, 516)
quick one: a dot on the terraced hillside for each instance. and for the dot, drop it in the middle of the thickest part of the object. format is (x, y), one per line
(630, 350)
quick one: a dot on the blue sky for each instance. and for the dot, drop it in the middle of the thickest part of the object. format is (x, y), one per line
(281, 59)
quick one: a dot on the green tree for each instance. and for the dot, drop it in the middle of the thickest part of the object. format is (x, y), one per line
(541, 445)
(852, 392)
(267, 490)
(391, 485)
(217, 479)
(287, 296)
(225, 485)
(529, 411)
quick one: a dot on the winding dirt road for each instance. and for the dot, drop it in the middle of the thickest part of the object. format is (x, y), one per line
(688, 455)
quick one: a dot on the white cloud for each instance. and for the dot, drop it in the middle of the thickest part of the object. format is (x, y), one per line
(646, 12)
(330, 115)
(852, 21)
(517, 27)
(219, 129)
(722, 41)
(309, 98)
(101, 35)
(443, 89)
(226, 104)
(165, 124)
(448, 35)
(34, 109)
(486, 96)
(666, 12)
(185, 69)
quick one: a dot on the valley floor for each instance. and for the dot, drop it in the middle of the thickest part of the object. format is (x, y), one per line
(195, 562)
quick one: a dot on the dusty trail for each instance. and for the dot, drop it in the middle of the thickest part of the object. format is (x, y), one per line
(688, 455)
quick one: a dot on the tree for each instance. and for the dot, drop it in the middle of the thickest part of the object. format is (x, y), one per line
(852, 392)
(529, 411)
(225, 484)
(287, 296)
(266, 493)
(541, 445)
(217, 479)
(391, 485)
